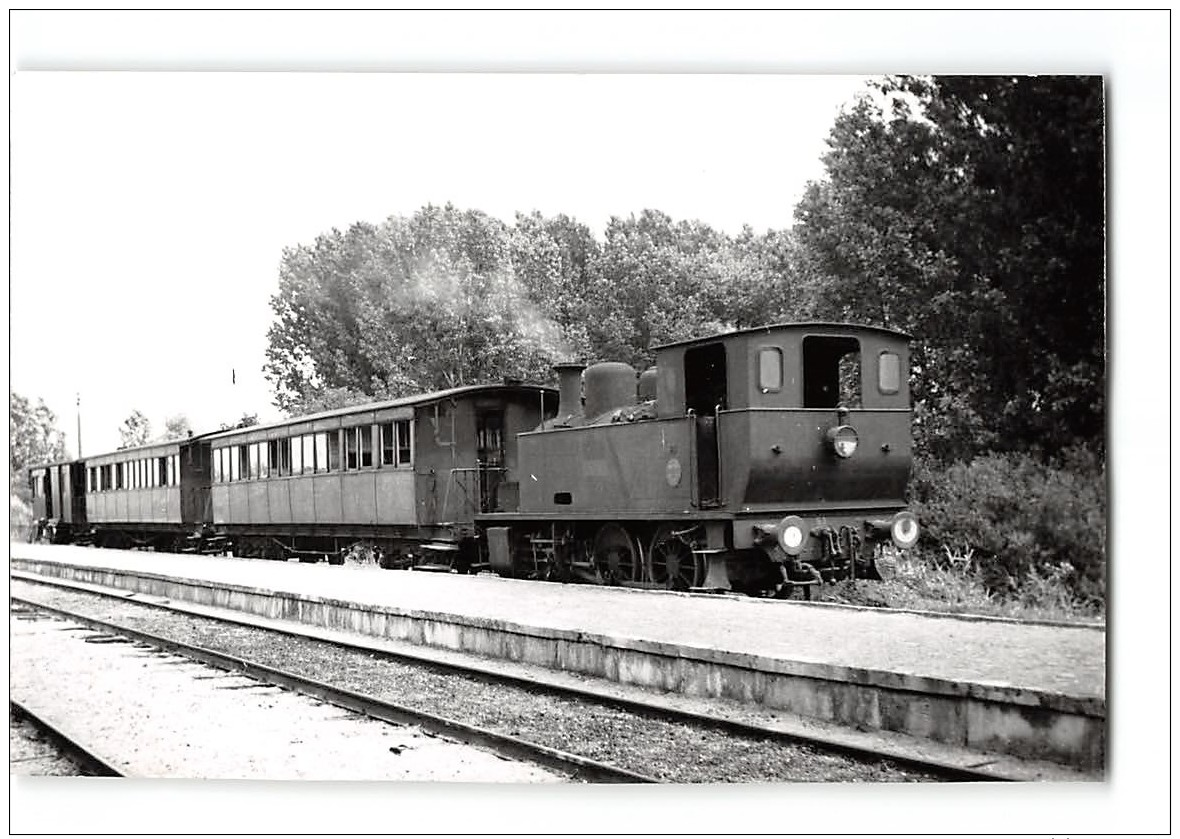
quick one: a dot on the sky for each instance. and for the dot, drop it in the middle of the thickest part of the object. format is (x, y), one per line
(149, 209)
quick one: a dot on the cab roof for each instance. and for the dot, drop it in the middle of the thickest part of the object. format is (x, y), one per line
(800, 326)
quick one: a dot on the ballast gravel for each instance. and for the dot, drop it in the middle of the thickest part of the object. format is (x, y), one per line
(667, 750)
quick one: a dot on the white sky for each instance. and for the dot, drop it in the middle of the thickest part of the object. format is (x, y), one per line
(136, 199)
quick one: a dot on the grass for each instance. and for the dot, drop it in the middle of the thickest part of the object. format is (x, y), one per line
(953, 584)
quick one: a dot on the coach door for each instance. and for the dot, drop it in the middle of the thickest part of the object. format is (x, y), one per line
(705, 390)
(489, 435)
(50, 491)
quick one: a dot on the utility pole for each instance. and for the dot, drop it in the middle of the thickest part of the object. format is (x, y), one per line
(78, 397)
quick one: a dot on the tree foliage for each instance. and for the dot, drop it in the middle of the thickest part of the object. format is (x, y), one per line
(34, 437)
(176, 427)
(971, 215)
(411, 305)
(136, 430)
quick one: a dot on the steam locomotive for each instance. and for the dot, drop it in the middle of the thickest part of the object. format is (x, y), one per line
(766, 461)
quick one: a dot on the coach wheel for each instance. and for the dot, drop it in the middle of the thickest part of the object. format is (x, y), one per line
(616, 554)
(671, 561)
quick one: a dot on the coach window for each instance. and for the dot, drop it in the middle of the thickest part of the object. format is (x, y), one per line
(333, 438)
(241, 463)
(299, 463)
(154, 479)
(387, 442)
(321, 451)
(350, 448)
(174, 469)
(282, 448)
(119, 480)
(217, 466)
(263, 460)
(164, 481)
(770, 369)
(888, 372)
(254, 460)
(405, 452)
(365, 444)
(831, 372)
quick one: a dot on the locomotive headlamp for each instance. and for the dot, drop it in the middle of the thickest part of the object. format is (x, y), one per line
(790, 535)
(843, 440)
(904, 529)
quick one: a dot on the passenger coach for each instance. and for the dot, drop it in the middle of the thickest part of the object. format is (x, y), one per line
(405, 477)
(150, 496)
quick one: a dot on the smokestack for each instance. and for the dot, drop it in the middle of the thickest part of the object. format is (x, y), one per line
(570, 399)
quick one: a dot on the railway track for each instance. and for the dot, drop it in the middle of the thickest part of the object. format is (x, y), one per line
(576, 768)
(934, 768)
(72, 748)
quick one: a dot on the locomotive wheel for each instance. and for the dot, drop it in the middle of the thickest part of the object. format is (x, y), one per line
(616, 554)
(672, 563)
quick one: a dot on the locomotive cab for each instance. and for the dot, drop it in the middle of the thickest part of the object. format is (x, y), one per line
(803, 435)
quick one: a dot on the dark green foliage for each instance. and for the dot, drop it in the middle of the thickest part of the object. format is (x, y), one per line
(136, 430)
(176, 427)
(1019, 517)
(450, 297)
(34, 437)
(411, 305)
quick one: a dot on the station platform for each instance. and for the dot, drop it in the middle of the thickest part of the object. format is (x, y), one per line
(1035, 691)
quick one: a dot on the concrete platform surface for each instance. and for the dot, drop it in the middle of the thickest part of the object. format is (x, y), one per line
(1050, 664)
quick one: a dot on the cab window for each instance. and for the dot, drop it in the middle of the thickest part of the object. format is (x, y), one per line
(831, 372)
(889, 372)
(770, 369)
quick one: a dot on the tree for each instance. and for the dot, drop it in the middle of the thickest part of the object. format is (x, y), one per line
(136, 430)
(411, 305)
(972, 217)
(177, 427)
(657, 280)
(34, 437)
(246, 421)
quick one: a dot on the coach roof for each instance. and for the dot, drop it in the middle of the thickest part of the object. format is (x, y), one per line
(403, 402)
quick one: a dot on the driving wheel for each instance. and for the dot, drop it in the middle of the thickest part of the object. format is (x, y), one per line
(616, 554)
(672, 563)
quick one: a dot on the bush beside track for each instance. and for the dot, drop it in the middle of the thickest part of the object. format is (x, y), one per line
(1004, 534)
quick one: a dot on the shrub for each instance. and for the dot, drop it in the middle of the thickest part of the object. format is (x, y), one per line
(1035, 528)
(20, 518)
